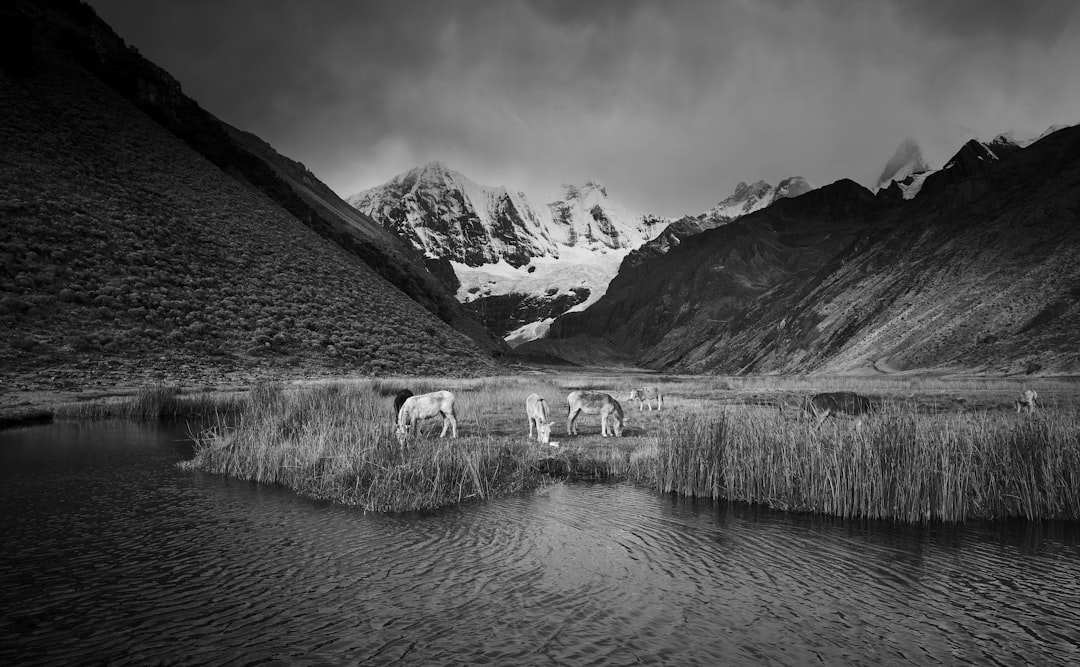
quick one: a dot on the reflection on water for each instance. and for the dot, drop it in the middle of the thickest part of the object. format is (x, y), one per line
(111, 554)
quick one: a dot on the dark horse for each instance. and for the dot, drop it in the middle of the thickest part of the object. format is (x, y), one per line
(399, 400)
(836, 403)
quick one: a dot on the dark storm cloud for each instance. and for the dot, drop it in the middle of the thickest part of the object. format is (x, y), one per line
(1006, 21)
(669, 103)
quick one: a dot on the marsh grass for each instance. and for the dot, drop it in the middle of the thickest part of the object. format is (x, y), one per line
(336, 442)
(899, 464)
(907, 462)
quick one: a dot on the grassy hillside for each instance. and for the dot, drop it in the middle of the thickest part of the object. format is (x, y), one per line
(73, 29)
(125, 251)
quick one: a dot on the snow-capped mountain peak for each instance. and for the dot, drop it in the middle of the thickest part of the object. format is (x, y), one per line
(501, 247)
(792, 186)
(750, 197)
(906, 162)
(909, 170)
(1025, 139)
(446, 215)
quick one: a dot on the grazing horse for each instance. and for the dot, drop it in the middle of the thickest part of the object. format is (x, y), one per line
(822, 406)
(646, 394)
(399, 400)
(536, 410)
(591, 403)
(425, 406)
(1028, 398)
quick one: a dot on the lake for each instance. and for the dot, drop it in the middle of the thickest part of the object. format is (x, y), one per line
(111, 554)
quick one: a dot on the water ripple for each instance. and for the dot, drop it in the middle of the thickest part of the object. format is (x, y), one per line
(112, 555)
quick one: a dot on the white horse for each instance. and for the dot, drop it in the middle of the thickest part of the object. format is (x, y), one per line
(536, 409)
(646, 394)
(1029, 398)
(822, 406)
(426, 406)
(592, 403)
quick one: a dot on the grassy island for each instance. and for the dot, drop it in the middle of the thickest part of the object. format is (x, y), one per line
(934, 450)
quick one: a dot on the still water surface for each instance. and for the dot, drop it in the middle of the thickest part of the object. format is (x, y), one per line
(113, 555)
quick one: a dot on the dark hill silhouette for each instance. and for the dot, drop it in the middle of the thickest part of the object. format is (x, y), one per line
(125, 248)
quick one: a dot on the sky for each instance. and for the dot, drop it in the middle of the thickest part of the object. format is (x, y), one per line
(669, 104)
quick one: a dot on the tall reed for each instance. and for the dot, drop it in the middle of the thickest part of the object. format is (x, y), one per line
(899, 464)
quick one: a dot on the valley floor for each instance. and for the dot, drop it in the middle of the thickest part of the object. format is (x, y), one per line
(32, 394)
(936, 449)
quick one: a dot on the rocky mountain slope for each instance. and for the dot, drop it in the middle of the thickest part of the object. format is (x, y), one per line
(516, 265)
(745, 200)
(977, 274)
(127, 249)
(661, 310)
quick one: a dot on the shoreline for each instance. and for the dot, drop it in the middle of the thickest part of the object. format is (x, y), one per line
(719, 438)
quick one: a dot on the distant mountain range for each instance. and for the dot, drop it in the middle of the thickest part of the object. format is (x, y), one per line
(517, 265)
(907, 170)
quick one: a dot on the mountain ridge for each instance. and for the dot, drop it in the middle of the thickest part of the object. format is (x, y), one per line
(944, 281)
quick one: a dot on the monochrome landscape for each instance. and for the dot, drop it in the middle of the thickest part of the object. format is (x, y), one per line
(260, 410)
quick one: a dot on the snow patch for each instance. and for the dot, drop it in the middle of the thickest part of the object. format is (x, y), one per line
(911, 189)
(574, 267)
(530, 331)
